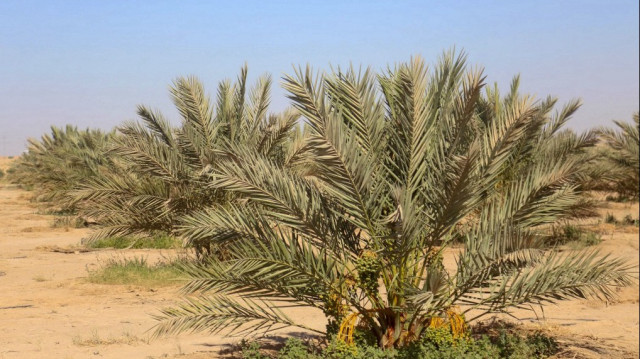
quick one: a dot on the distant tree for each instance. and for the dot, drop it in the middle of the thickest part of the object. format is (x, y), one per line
(167, 167)
(621, 158)
(59, 162)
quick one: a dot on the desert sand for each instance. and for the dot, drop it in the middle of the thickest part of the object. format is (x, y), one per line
(49, 310)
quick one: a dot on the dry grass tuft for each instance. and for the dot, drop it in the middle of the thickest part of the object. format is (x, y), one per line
(94, 340)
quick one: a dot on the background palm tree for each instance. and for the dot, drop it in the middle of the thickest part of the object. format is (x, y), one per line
(57, 163)
(165, 178)
(621, 168)
(399, 165)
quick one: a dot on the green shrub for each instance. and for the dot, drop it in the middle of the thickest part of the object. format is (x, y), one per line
(364, 338)
(251, 350)
(440, 338)
(436, 343)
(441, 344)
(1, 173)
(295, 349)
(542, 345)
(338, 349)
(591, 239)
(610, 218)
(514, 346)
(572, 233)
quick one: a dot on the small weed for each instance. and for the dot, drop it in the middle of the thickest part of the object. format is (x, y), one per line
(591, 239)
(68, 222)
(618, 199)
(137, 271)
(40, 278)
(629, 221)
(294, 349)
(49, 211)
(251, 350)
(94, 339)
(563, 234)
(586, 239)
(610, 218)
(158, 241)
(572, 233)
(574, 236)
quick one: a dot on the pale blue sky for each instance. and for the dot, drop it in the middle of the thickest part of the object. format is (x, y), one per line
(89, 63)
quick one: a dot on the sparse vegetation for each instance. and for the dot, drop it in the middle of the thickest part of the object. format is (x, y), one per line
(588, 239)
(95, 339)
(610, 218)
(138, 271)
(628, 220)
(68, 222)
(572, 235)
(435, 344)
(158, 241)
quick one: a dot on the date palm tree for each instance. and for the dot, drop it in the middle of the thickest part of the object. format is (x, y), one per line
(57, 163)
(165, 166)
(621, 157)
(400, 165)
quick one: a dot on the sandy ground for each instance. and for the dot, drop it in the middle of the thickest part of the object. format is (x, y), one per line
(49, 310)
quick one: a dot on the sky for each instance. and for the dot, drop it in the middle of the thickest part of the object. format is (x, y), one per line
(90, 63)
